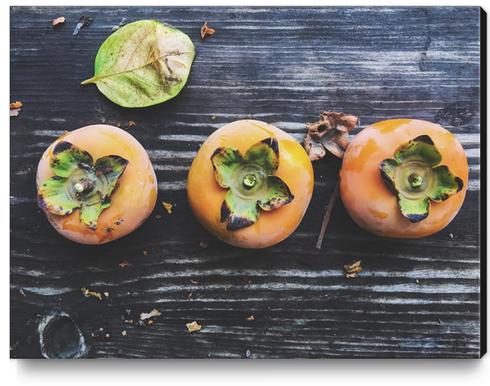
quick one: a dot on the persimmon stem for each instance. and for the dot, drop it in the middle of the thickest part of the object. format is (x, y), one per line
(327, 215)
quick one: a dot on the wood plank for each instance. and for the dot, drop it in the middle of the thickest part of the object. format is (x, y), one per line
(414, 298)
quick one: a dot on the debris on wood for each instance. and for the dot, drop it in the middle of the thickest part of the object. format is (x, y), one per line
(248, 353)
(250, 318)
(82, 22)
(100, 334)
(189, 295)
(106, 294)
(168, 206)
(352, 269)
(21, 291)
(124, 333)
(150, 322)
(206, 31)
(327, 215)
(121, 23)
(193, 281)
(193, 326)
(124, 264)
(87, 293)
(15, 108)
(204, 245)
(147, 315)
(145, 252)
(58, 21)
(451, 236)
(213, 117)
(158, 216)
(330, 133)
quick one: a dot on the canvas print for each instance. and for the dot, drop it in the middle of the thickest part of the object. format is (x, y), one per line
(246, 182)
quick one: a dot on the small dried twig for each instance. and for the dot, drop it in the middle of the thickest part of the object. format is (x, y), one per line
(206, 31)
(327, 215)
(82, 22)
(121, 23)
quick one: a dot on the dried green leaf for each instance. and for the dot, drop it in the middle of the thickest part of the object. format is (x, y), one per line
(225, 161)
(143, 63)
(421, 149)
(414, 177)
(67, 158)
(238, 212)
(275, 194)
(445, 184)
(108, 170)
(54, 197)
(265, 153)
(414, 210)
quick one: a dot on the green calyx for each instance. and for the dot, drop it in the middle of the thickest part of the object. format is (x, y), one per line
(79, 183)
(415, 176)
(250, 182)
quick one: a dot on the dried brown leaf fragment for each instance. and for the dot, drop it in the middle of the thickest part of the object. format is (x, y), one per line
(87, 293)
(124, 264)
(168, 206)
(58, 21)
(330, 133)
(15, 108)
(250, 318)
(206, 31)
(152, 314)
(352, 269)
(193, 326)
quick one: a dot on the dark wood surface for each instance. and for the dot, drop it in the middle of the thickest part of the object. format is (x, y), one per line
(414, 298)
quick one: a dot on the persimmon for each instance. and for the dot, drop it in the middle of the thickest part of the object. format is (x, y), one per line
(404, 178)
(96, 184)
(250, 184)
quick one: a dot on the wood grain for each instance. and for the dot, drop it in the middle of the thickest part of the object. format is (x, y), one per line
(414, 298)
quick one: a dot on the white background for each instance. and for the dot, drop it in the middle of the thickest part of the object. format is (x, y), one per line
(200, 372)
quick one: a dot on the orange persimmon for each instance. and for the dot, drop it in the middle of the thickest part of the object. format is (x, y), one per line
(96, 184)
(404, 178)
(250, 184)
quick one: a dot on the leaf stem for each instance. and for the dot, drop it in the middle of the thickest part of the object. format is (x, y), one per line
(327, 215)
(87, 81)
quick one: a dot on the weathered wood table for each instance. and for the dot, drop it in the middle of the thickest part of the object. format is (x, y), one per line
(414, 298)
